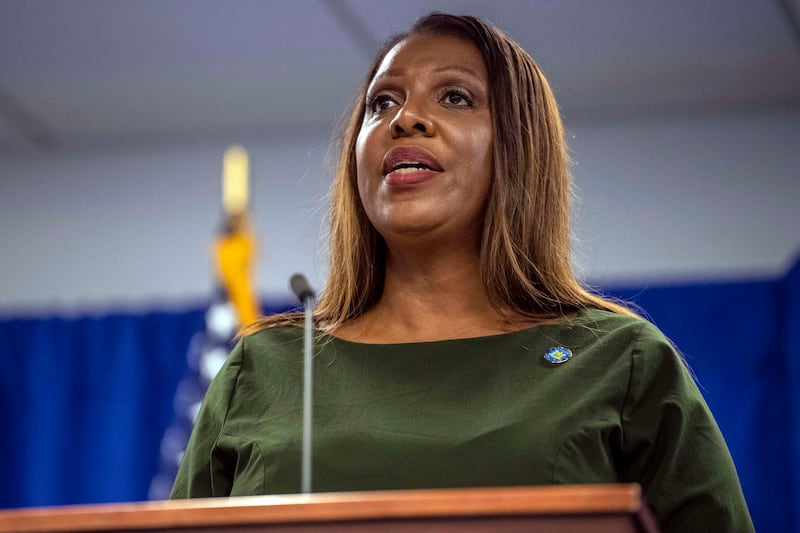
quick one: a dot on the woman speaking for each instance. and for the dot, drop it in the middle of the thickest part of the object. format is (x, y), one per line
(454, 345)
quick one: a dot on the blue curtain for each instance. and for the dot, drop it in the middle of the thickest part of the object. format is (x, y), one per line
(85, 401)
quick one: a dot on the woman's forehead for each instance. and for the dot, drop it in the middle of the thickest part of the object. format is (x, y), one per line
(429, 53)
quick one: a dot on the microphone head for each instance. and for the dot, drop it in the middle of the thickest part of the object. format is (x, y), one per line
(301, 288)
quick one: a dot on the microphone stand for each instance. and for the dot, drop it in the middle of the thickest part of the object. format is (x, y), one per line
(302, 289)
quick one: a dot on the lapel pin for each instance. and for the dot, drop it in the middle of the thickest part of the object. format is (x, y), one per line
(558, 355)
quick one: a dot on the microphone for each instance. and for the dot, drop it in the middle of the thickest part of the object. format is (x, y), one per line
(301, 288)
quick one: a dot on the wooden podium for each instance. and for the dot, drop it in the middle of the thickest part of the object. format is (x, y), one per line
(562, 509)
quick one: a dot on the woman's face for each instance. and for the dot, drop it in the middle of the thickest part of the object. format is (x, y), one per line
(424, 152)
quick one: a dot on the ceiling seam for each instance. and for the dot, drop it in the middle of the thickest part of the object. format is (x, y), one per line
(791, 17)
(31, 127)
(358, 31)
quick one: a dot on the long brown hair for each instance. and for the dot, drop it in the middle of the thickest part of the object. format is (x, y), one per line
(525, 248)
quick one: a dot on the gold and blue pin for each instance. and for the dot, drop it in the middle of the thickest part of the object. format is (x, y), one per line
(558, 355)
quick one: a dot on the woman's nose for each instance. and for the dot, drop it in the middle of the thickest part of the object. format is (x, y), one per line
(411, 120)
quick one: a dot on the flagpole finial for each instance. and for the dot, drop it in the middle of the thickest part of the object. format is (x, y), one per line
(235, 180)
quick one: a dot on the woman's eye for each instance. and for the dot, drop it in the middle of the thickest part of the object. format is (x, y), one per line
(457, 98)
(381, 102)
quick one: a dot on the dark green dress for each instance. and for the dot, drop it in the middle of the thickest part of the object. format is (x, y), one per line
(485, 411)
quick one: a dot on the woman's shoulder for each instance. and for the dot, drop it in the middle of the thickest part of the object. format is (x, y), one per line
(254, 349)
(593, 324)
(611, 337)
(273, 336)
(270, 345)
(603, 318)
(259, 359)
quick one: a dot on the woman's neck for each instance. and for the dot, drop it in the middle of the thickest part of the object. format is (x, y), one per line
(429, 297)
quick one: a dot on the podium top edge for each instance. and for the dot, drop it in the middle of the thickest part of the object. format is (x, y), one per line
(332, 506)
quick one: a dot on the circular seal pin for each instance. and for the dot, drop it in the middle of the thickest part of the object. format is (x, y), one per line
(558, 355)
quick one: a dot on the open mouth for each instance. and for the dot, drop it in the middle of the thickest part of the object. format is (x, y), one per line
(410, 167)
(408, 160)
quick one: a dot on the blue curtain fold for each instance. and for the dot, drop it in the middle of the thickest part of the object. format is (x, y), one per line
(85, 401)
(791, 345)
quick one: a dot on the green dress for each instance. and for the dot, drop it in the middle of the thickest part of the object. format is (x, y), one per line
(486, 411)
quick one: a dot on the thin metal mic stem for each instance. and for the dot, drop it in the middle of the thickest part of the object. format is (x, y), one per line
(302, 290)
(308, 383)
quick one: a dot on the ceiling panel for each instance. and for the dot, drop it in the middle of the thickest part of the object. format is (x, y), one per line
(97, 71)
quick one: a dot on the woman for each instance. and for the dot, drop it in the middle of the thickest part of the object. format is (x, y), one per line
(455, 346)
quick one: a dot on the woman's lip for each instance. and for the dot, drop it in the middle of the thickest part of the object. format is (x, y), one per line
(406, 154)
(406, 179)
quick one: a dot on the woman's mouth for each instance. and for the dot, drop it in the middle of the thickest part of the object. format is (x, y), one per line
(408, 165)
(409, 176)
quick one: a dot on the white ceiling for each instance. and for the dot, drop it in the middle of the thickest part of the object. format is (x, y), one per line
(114, 72)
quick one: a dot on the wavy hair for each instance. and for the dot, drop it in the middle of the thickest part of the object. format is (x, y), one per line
(525, 247)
